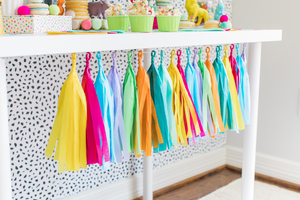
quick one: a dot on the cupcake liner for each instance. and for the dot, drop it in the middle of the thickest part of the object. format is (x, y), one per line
(118, 23)
(141, 23)
(168, 23)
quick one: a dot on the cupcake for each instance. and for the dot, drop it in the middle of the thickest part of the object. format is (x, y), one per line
(117, 18)
(168, 18)
(141, 16)
(140, 7)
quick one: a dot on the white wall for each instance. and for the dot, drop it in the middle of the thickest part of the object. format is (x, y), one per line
(279, 120)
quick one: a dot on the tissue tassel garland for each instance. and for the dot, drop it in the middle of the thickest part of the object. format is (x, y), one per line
(150, 130)
(131, 110)
(97, 142)
(106, 102)
(119, 127)
(69, 128)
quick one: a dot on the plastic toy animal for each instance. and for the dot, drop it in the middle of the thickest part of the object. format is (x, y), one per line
(194, 10)
(98, 8)
(60, 4)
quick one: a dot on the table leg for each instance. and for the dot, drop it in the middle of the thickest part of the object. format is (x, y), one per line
(147, 161)
(248, 173)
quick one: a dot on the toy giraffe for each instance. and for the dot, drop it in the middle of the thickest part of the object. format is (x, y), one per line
(1, 19)
(60, 4)
(194, 10)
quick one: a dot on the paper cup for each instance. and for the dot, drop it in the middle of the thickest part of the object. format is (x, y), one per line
(168, 23)
(118, 23)
(141, 23)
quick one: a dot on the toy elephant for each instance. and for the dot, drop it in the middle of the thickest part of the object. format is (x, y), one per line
(98, 8)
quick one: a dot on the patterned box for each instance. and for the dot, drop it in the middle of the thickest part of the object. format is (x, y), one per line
(36, 24)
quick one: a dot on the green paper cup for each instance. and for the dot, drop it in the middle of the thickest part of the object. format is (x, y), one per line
(118, 23)
(141, 23)
(168, 23)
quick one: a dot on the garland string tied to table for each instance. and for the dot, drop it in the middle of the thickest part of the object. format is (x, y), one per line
(99, 123)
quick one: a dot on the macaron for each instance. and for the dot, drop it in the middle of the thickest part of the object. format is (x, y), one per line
(104, 24)
(54, 10)
(224, 25)
(184, 17)
(38, 9)
(86, 24)
(186, 25)
(163, 2)
(96, 23)
(70, 13)
(75, 24)
(213, 24)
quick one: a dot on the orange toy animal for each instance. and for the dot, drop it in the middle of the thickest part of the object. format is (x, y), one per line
(194, 10)
(60, 4)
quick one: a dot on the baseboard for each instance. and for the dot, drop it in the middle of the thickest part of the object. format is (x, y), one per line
(266, 165)
(270, 180)
(132, 187)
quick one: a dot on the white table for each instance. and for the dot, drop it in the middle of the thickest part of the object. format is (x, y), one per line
(39, 44)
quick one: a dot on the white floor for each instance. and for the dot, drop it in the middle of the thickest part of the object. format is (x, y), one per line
(262, 191)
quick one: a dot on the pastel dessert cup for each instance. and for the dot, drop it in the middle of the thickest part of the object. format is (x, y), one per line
(118, 23)
(168, 23)
(141, 23)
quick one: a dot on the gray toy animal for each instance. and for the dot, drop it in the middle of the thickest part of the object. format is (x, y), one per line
(98, 8)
